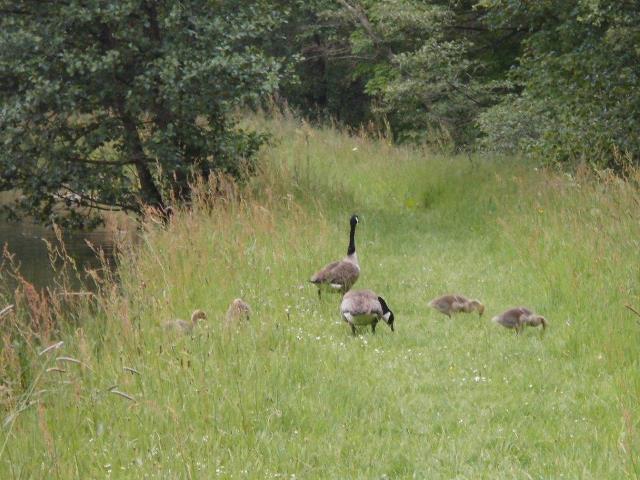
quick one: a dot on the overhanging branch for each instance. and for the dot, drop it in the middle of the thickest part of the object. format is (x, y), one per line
(86, 201)
(360, 15)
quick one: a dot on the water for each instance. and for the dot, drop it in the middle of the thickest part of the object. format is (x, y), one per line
(26, 242)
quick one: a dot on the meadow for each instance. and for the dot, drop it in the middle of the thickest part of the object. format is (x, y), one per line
(293, 394)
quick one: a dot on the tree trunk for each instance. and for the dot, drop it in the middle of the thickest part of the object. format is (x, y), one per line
(177, 178)
(150, 195)
(148, 189)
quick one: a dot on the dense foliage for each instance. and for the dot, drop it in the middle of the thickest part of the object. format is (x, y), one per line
(116, 105)
(579, 78)
(426, 69)
(556, 79)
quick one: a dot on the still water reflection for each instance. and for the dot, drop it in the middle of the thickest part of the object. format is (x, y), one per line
(26, 242)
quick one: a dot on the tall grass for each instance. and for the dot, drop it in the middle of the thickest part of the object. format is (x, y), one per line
(292, 394)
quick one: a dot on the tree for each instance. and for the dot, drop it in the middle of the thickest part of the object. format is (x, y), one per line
(114, 105)
(426, 67)
(326, 83)
(438, 65)
(578, 78)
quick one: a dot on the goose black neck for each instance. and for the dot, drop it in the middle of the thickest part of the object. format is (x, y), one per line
(352, 240)
(383, 304)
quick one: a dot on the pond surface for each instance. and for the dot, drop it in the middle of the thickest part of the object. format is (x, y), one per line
(27, 242)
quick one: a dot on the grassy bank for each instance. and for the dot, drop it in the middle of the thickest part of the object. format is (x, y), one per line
(293, 395)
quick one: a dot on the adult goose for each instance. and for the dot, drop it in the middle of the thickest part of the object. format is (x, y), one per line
(365, 307)
(341, 275)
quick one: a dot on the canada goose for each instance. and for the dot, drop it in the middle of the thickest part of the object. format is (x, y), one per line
(519, 317)
(238, 310)
(364, 307)
(449, 304)
(184, 326)
(341, 275)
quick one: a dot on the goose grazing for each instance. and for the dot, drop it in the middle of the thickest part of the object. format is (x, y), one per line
(535, 321)
(364, 307)
(182, 325)
(449, 304)
(341, 275)
(519, 317)
(238, 310)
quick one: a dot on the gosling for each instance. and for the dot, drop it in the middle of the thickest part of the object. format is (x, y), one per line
(238, 310)
(518, 318)
(449, 304)
(183, 326)
(365, 307)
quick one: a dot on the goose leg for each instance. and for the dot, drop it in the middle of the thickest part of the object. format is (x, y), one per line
(349, 319)
(373, 327)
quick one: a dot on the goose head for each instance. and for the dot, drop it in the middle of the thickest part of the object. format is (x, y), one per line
(198, 315)
(387, 314)
(351, 251)
(477, 305)
(536, 320)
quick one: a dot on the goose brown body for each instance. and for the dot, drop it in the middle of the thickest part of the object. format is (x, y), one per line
(365, 307)
(341, 275)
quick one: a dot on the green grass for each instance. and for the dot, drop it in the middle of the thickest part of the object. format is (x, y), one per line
(296, 396)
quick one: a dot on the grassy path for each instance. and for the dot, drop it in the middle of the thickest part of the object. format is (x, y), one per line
(295, 396)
